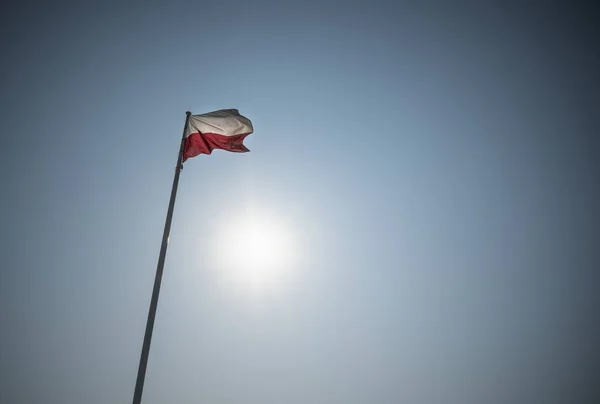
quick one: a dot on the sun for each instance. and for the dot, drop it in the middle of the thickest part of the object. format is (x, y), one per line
(254, 251)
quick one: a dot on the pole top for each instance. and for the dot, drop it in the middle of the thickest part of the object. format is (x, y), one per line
(188, 113)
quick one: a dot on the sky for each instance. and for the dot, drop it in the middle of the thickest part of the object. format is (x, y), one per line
(428, 172)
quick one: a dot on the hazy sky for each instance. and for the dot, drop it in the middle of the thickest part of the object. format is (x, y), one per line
(433, 165)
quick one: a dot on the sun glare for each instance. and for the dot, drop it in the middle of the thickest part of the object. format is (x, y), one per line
(255, 251)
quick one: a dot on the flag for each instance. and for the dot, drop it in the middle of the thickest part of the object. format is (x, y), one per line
(224, 129)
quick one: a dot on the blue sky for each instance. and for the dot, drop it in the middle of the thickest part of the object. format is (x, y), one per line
(436, 164)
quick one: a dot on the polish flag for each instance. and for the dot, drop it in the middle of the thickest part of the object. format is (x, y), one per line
(224, 129)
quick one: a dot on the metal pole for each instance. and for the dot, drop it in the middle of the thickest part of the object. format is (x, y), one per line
(139, 384)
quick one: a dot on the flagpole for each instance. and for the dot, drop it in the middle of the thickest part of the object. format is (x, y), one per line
(139, 384)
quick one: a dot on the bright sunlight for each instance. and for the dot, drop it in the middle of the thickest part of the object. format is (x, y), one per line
(255, 251)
